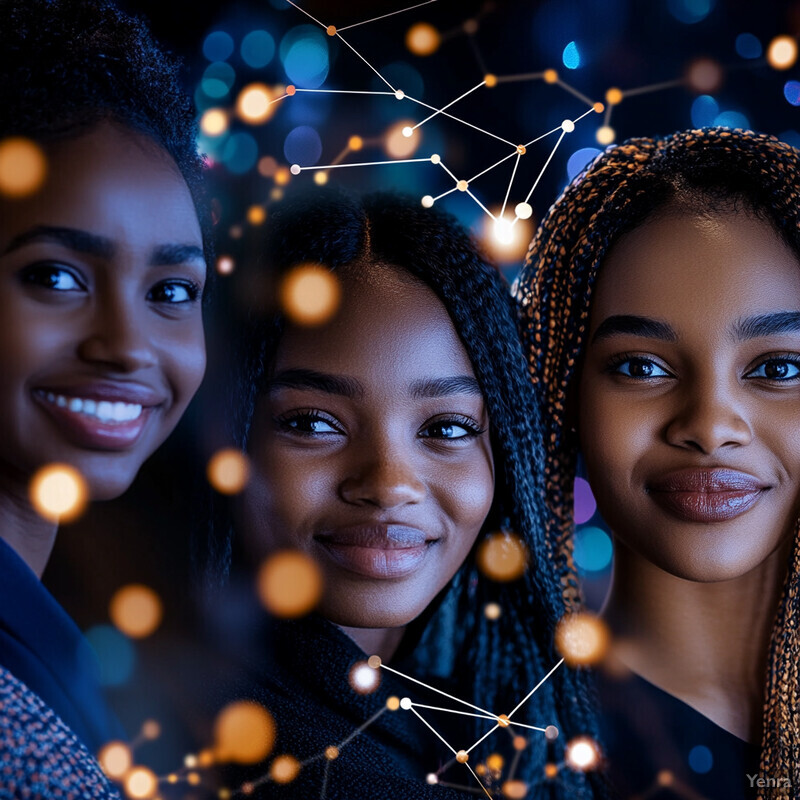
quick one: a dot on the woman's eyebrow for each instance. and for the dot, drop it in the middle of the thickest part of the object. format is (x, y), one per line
(767, 325)
(72, 238)
(317, 382)
(169, 255)
(632, 325)
(441, 387)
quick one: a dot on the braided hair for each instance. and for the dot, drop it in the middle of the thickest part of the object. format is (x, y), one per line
(512, 654)
(698, 170)
(68, 65)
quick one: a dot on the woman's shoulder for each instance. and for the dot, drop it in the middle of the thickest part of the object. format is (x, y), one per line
(40, 756)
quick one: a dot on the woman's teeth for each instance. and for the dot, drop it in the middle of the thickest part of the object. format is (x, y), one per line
(103, 410)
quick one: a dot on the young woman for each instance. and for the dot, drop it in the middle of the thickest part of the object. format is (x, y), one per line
(386, 443)
(102, 266)
(661, 303)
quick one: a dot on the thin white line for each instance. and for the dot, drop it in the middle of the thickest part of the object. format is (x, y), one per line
(490, 214)
(438, 691)
(535, 184)
(479, 781)
(543, 136)
(361, 729)
(367, 63)
(653, 87)
(585, 113)
(453, 711)
(488, 169)
(342, 91)
(368, 164)
(391, 14)
(442, 165)
(525, 76)
(306, 13)
(508, 191)
(488, 733)
(276, 99)
(432, 728)
(522, 725)
(523, 701)
(444, 194)
(463, 122)
(574, 92)
(451, 103)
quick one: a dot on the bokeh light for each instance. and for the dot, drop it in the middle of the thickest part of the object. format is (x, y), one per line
(240, 152)
(571, 57)
(593, 549)
(492, 611)
(579, 159)
(116, 759)
(363, 678)
(503, 556)
(244, 733)
(253, 104)
(225, 265)
(141, 783)
(218, 46)
(582, 754)
(256, 215)
(582, 639)
(397, 145)
(605, 135)
(310, 294)
(214, 122)
(782, 52)
(701, 760)
(23, 167)
(218, 79)
(58, 492)
(228, 470)
(495, 762)
(583, 504)
(514, 790)
(289, 584)
(731, 119)
(284, 769)
(748, 46)
(690, 11)
(504, 241)
(257, 49)
(302, 146)
(423, 39)
(704, 75)
(791, 91)
(136, 610)
(115, 652)
(704, 111)
(306, 63)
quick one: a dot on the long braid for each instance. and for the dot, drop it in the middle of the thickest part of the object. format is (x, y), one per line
(614, 194)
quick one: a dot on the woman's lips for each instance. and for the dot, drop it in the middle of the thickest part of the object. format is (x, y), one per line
(379, 551)
(707, 495)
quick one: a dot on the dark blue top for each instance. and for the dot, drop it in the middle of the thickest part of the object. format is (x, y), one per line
(42, 647)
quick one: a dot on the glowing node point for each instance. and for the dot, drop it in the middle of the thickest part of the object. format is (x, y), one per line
(355, 142)
(598, 108)
(462, 186)
(665, 778)
(495, 762)
(514, 790)
(256, 215)
(471, 27)
(523, 210)
(331, 30)
(224, 794)
(172, 778)
(331, 753)
(408, 131)
(480, 769)
(151, 729)
(284, 769)
(141, 782)
(23, 167)
(310, 294)
(225, 265)
(214, 122)
(605, 134)
(295, 169)
(136, 610)
(521, 149)
(503, 721)
(582, 639)
(290, 90)
(427, 201)
(567, 126)
(247, 788)
(364, 678)
(551, 771)
(254, 103)
(374, 662)
(503, 231)
(551, 733)
(115, 759)
(393, 703)
(58, 492)
(321, 177)
(705, 75)
(399, 94)
(436, 158)
(490, 80)
(432, 779)
(244, 733)
(462, 756)
(423, 39)
(550, 76)
(614, 96)
(405, 703)
(492, 611)
(282, 176)
(503, 556)
(520, 742)
(193, 779)
(782, 52)
(228, 470)
(582, 754)
(205, 759)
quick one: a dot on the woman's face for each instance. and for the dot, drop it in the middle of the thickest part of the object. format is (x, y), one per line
(371, 451)
(690, 393)
(101, 335)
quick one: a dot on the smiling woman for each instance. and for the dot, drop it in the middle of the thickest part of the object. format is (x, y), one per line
(662, 307)
(102, 269)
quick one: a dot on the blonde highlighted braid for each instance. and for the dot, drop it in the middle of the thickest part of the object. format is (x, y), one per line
(700, 169)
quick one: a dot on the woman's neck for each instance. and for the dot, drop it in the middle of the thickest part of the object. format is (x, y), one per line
(381, 642)
(704, 643)
(28, 534)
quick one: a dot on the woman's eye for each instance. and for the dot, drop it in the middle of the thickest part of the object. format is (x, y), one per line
(50, 276)
(309, 424)
(174, 292)
(640, 368)
(776, 369)
(448, 429)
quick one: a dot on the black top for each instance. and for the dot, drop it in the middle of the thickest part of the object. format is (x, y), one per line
(660, 747)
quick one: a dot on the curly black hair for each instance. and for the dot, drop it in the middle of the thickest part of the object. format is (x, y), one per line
(68, 65)
(500, 660)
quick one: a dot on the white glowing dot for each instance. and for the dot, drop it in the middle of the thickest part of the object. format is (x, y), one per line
(431, 779)
(408, 131)
(58, 492)
(364, 678)
(399, 94)
(435, 158)
(524, 210)
(427, 201)
(581, 754)
(295, 169)
(551, 733)
(503, 231)
(605, 134)
(405, 703)
(567, 126)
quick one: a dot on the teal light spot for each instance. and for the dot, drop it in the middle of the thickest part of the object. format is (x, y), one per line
(748, 46)
(731, 119)
(571, 56)
(239, 153)
(257, 49)
(218, 46)
(306, 63)
(218, 79)
(704, 111)
(593, 549)
(115, 652)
